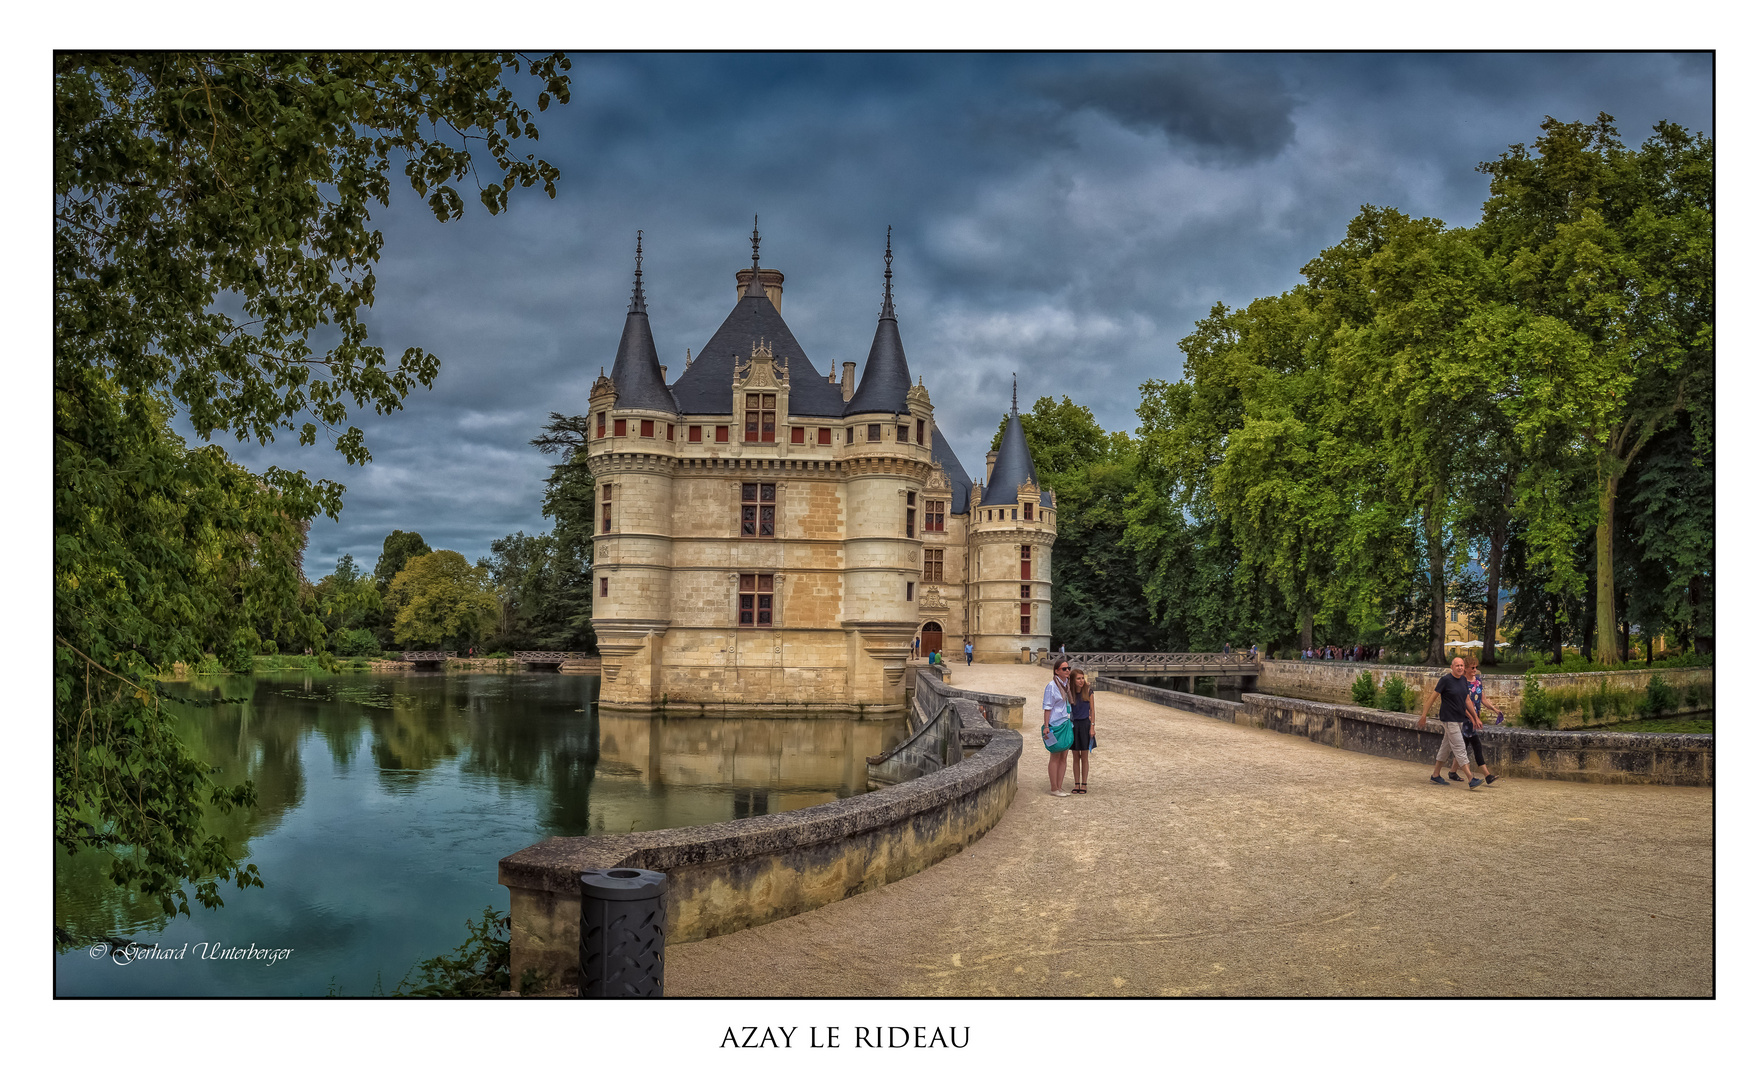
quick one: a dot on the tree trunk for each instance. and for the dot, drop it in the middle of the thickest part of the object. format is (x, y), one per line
(1437, 589)
(1605, 583)
(1491, 620)
(1305, 619)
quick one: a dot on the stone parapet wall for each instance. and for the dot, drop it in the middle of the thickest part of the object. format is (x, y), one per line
(1196, 703)
(1595, 756)
(729, 876)
(1000, 710)
(1332, 681)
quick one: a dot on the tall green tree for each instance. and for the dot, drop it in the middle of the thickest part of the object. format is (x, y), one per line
(1099, 603)
(567, 620)
(439, 599)
(1616, 245)
(211, 214)
(396, 551)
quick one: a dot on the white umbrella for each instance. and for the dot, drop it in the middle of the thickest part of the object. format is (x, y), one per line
(1465, 644)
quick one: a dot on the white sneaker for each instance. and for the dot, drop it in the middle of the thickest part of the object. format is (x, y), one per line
(1062, 794)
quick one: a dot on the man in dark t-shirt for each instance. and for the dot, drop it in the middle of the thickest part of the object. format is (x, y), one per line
(1454, 712)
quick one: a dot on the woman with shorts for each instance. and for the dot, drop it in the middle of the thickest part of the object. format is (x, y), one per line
(1472, 740)
(1083, 726)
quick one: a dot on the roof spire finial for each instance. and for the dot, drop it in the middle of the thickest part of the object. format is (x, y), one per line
(756, 239)
(888, 276)
(1013, 393)
(637, 289)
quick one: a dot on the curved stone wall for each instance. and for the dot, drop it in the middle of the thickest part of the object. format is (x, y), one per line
(1613, 757)
(736, 874)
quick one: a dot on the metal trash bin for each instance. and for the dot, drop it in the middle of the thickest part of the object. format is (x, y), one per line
(623, 923)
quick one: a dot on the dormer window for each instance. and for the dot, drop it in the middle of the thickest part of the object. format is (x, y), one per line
(762, 419)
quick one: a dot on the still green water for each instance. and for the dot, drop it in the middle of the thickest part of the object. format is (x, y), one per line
(385, 801)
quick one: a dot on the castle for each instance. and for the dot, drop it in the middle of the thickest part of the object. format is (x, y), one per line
(768, 537)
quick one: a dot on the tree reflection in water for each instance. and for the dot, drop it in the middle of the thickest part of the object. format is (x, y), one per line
(385, 801)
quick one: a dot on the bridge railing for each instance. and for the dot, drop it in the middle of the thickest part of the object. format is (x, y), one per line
(1237, 661)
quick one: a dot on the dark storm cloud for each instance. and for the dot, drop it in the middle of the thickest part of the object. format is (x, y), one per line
(1064, 217)
(1217, 106)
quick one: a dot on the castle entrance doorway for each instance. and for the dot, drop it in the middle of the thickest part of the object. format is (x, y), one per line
(931, 639)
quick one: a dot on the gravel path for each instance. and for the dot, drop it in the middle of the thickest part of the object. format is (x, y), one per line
(1210, 859)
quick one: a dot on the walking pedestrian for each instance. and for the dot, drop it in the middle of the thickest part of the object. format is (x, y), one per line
(1083, 730)
(1453, 690)
(968, 649)
(1472, 740)
(915, 648)
(1056, 725)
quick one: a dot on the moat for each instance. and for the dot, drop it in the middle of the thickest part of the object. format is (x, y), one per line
(385, 801)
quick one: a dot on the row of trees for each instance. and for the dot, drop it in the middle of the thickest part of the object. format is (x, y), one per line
(1433, 416)
(213, 260)
(517, 598)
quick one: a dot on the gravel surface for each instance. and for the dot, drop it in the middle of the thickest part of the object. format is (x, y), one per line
(1211, 859)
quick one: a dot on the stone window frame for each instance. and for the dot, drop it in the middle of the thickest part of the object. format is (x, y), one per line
(606, 508)
(875, 433)
(932, 569)
(722, 433)
(760, 505)
(762, 612)
(600, 425)
(798, 435)
(619, 428)
(761, 418)
(824, 436)
(694, 433)
(934, 512)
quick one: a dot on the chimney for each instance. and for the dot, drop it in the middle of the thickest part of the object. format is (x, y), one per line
(991, 459)
(848, 382)
(770, 280)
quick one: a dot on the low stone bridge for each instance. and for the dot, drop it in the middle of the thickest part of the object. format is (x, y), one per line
(1238, 665)
(1121, 663)
(547, 657)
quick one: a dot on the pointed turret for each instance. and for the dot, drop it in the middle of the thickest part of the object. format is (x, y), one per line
(637, 373)
(1014, 463)
(886, 379)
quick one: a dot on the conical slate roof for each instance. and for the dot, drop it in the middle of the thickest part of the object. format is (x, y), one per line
(1012, 465)
(886, 379)
(704, 387)
(637, 374)
(959, 485)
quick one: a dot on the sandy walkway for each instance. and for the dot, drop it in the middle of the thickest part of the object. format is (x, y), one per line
(1212, 859)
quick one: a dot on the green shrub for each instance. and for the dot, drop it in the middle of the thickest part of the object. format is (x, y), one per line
(498, 655)
(1365, 690)
(357, 642)
(1693, 697)
(1662, 698)
(1534, 705)
(391, 656)
(1397, 697)
(478, 968)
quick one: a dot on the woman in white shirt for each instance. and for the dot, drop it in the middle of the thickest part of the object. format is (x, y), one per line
(1056, 709)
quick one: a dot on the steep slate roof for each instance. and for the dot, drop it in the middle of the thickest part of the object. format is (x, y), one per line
(886, 379)
(705, 386)
(636, 374)
(1012, 465)
(959, 484)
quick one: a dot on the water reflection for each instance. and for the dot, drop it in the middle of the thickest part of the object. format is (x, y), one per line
(384, 802)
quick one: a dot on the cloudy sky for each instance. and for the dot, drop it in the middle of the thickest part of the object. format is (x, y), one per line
(1065, 217)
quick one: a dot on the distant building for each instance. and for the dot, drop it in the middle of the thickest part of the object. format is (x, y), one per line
(769, 536)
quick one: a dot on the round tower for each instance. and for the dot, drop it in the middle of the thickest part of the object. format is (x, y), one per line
(887, 460)
(1011, 532)
(631, 444)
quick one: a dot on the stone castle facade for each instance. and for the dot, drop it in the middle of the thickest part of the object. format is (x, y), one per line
(770, 537)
